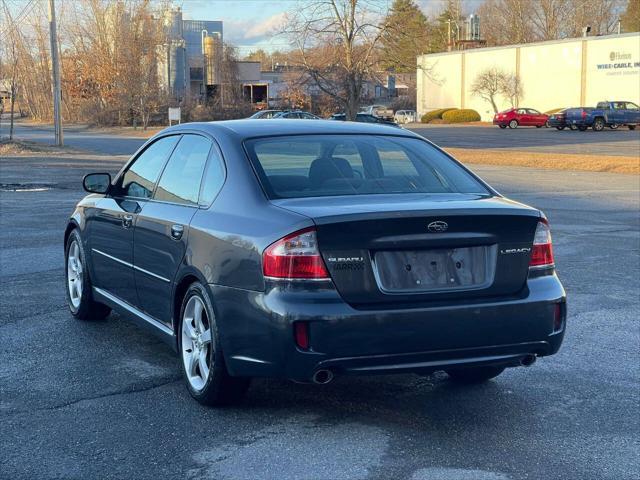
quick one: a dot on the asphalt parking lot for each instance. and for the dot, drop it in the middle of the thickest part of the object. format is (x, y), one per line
(608, 142)
(101, 399)
(621, 142)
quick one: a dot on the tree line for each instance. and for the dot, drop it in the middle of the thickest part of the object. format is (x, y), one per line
(109, 51)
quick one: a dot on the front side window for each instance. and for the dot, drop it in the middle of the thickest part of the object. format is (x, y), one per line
(632, 106)
(181, 178)
(327, 165)
(140, 178)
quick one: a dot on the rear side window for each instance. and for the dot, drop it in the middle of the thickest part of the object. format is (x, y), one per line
(326, 165)
(213, 178)
(181, 178)
(140, 179)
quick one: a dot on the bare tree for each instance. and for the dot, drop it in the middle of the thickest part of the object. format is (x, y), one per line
(12, 63)
(507, 22)
(601, 15)
(550, 18)
(512, 89)
(337, 41)
(488, 85)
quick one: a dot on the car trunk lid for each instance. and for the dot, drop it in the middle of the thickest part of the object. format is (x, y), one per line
(414, 248)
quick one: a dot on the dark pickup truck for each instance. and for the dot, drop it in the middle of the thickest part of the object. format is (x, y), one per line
(606, 114)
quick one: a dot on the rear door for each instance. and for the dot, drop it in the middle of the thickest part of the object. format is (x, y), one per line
(522, 117)
(110, 225)
(162, 228)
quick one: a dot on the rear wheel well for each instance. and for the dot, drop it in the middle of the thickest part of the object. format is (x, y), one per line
(178, 296)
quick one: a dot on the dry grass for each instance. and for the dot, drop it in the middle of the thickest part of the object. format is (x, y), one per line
(553, 161)
(17, 147)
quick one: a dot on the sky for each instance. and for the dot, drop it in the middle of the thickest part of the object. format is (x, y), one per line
(250, 24)
(247, 24)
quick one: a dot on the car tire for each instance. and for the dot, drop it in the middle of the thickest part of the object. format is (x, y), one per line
(79, 293)
(560, 128)
(471, 375)
(538, 126)
(502, 126)
(201, 358)
(513, 124)
(547, 124)
(573, 127)
(614, 126)
(582, 128)
(598, 125)
(631, 127)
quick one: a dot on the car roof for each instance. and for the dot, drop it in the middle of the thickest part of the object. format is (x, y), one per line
(247, 128)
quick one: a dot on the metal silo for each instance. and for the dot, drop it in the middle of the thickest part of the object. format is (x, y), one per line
(212, 46)
(177, 68)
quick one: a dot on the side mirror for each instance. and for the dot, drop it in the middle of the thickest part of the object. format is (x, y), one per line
(96, 182)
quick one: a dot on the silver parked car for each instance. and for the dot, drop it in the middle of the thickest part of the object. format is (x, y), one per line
(405, 116)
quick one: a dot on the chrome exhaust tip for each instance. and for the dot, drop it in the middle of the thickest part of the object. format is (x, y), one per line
(322, 377)
(528, 360)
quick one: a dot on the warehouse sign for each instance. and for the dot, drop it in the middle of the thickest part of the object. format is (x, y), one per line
(619, 61)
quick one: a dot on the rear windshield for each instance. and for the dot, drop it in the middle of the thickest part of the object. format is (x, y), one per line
(327, 165)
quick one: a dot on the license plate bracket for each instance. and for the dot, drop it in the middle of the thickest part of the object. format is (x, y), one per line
(442, 269)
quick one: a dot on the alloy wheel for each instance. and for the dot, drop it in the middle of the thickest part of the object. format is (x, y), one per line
(74, 274)
(196, 343)
(598, 124)
(513, 124)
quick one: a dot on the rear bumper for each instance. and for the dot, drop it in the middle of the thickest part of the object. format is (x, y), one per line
(256, 331)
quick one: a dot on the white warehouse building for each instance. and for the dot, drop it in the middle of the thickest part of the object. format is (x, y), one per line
(555, 74)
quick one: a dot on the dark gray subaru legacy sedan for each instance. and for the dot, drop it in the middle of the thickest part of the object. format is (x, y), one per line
(306, 250)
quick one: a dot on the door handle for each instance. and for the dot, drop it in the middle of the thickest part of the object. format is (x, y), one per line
(127, 221)
(177, 231)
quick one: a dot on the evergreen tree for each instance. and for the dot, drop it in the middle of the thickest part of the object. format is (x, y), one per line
(406, 36)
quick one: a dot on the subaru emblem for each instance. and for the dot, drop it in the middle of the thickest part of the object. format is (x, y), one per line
(438, 226)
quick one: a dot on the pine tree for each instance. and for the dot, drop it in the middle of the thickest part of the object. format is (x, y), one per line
(406, 36)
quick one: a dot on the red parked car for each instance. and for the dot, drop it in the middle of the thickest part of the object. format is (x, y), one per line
(520, 117)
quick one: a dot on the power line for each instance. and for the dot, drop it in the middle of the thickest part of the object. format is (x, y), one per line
(16, 21)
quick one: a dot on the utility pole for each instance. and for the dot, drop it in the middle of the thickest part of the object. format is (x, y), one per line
(57, 120)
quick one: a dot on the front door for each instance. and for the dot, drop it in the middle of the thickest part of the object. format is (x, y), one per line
(616, 114)
(111, 223)
(110, 233)
(162, 227)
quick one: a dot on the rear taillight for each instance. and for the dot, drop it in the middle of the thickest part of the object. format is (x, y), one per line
(542, 251)
(295, 256)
